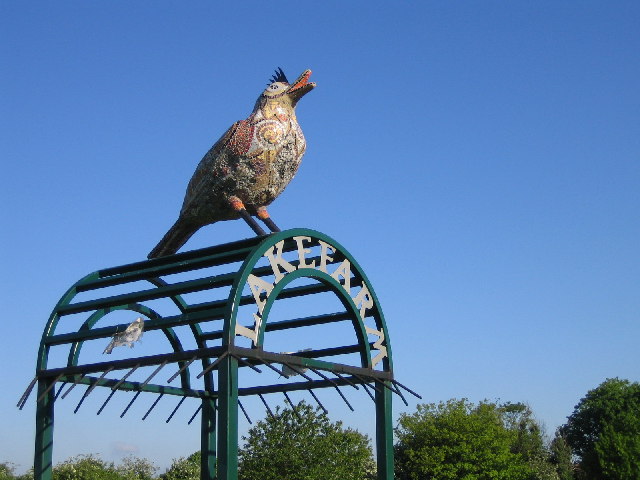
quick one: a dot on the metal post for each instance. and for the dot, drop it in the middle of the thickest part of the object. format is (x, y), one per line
(384, 434)
(228, 419)
(42, 462)
(208, 440)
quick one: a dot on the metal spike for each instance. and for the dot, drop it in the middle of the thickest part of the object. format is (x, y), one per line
(245, 412)
(175, 409)
(154, 373)
(194, 415)
(59, 390)
(213, 365)
(182, 369)
(407, 389)
(51, 385)
(266, 405)
(248, 364)
(106, 401)
(27, 392)
(153, 406)
(318, 400)
(75, 382)
(90, 388)
(115, 387)
(130, 403)
(293, 407)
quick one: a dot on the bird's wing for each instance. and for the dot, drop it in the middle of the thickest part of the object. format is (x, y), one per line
(236, 141)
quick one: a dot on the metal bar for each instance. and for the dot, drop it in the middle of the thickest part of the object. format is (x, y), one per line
(213, 365)
(397, 391)
(194, 415)
(280, 372)
(130, 403)
(152, 406)
(106, 401)
(300, 372)
(182, 369)
(245, 412)
(186, 318)
(84, 395)
(90, 389)
(346, 380)
(23, 399)
(73, 386)
(364, 382)
(51, 385)
(407, 389)
(125, 377)
(266, 405)
(150, 387)
(293, 407)
(319, 373)
(154, 373)
(179, 288)
(284, 387)
(243, 361)
(59, 390)
(301, 362)
(318, 401)
(293, 323)
(131, 362)
(176, 409)
(185, 259)
(366, 389)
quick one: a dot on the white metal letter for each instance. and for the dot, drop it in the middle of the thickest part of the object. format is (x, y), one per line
(277, 261)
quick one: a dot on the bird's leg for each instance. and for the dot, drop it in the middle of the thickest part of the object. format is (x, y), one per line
(264, 216)
(239, 207)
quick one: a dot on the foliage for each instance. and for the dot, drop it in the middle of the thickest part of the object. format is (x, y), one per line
(457, 439)
(184, 468)
(301, 443)
(561, 456)
(135, 468)
(604, 431)
(86, 467)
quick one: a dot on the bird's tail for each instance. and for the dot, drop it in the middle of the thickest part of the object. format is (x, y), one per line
(176, 237)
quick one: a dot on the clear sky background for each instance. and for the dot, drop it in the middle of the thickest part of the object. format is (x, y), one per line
(479, 159)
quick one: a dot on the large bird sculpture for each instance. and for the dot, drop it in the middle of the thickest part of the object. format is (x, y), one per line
(247, 168)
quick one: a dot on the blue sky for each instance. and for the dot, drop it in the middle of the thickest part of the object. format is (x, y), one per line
(479, 159)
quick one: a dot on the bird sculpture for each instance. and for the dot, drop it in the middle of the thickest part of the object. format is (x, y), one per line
(247, 168)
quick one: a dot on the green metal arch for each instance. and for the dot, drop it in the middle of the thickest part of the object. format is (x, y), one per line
(267, 244)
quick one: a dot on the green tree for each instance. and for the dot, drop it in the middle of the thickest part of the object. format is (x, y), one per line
(85, 467)
(561, 456)
(459, 440)
(7, 471)
(135, 468)
(604, 431)
(184, 468)
(301, 443)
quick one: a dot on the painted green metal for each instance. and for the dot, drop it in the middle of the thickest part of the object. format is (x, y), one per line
(269, 267)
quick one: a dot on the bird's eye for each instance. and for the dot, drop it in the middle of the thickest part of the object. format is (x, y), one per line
(273, 86)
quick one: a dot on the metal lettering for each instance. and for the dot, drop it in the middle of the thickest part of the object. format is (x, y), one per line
(344, 271)
(382, 350)
(251, 334)
(363, 298)
(302, 251)
(258, 285)
(324, 255)
(277, 261)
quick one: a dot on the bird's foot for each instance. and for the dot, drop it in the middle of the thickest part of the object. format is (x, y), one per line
(239, 207)
(264, 216)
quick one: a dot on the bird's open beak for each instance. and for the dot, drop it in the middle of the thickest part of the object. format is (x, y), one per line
(300, 87)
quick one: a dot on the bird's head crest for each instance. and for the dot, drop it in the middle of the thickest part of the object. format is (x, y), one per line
(279, 76)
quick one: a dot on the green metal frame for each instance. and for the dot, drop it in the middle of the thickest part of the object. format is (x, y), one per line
(266, 265)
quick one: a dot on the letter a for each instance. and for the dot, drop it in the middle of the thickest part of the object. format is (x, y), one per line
(258, 285)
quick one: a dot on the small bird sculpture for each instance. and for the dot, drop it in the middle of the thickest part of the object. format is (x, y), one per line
(247, 168)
